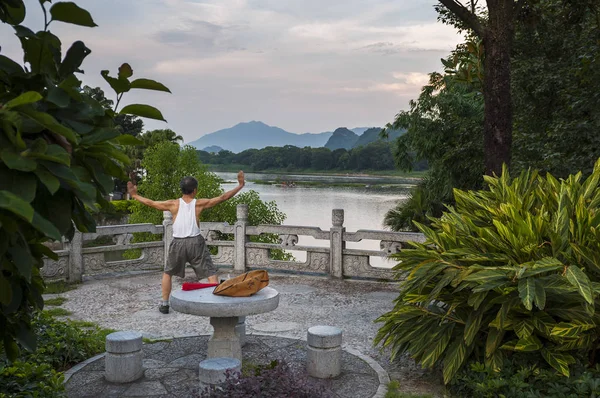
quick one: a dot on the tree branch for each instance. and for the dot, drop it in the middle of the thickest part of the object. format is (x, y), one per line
(463, 13)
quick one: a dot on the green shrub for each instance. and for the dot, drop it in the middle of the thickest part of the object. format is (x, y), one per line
(511, 269)
(60, 345)
(522, 376)
(24, 380)
(122, 206)
(63, 344)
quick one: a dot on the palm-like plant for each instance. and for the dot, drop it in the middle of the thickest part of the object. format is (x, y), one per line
(512, 268)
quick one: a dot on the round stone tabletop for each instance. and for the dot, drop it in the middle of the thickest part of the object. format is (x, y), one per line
(204, 303)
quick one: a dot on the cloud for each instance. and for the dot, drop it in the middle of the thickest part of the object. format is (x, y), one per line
(304, 65)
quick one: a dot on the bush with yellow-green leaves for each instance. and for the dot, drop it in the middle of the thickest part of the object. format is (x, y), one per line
(514, 268)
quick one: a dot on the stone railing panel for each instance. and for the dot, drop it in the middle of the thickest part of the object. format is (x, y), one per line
(56, 270)
(315, 232)
(316, 261)
(335, 260)
(365, 234)
(356, 266)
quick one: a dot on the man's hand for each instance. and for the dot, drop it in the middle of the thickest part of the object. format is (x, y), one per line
(240, 178)
(131, 189)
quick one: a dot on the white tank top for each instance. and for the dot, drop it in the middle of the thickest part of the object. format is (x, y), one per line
(185, 224)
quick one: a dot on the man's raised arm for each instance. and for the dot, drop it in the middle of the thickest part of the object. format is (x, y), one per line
(208, 203)
(162, 205)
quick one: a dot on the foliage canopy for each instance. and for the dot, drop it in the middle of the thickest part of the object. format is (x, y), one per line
(60, 150)
(515, 268)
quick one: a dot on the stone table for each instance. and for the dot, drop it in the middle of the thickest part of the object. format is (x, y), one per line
(224, 313)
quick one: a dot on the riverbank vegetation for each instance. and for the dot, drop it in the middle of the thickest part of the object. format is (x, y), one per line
(374, 157)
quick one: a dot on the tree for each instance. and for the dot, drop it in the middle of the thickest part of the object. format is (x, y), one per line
(497, 32)
(444, 127)
(167, 163)
(555, 84)
(59, 152)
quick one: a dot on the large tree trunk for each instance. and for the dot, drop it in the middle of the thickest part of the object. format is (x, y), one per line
(497, 128)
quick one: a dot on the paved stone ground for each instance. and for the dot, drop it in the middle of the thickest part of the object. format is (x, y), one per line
(131, 303)
(172, 370)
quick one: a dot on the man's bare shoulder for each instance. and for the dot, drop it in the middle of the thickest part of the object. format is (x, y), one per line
(201, 202)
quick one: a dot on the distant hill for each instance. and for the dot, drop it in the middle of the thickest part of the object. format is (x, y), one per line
(213, 149)
(342, 138)
(360, 130)
(258, 135)
(372, 135)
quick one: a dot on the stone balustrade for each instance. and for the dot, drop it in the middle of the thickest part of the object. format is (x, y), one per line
(235, 250)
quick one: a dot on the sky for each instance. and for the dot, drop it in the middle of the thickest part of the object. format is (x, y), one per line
(302, 65)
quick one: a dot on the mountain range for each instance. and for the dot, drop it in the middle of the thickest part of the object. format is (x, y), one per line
(258, 135)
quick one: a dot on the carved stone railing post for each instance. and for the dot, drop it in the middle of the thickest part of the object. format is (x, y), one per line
(75, 257)
(337, 244)
(239, 259)
(167, 233)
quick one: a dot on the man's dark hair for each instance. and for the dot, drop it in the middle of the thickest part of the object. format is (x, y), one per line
(188, 184)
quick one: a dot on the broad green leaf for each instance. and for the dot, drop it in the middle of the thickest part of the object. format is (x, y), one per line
(70, 12)
(21, 184)
(581, 281)
(15, 161)
(454, 359)
(539, 297)
(435, 350)
(558, 361)
(543, 323)
(10, 66)
(51, 182)
(128, 139)
(54, 153)
(58, 97)
(494, 338)
(125, 71)
(11, 348)
(99, 135)
(486, 276)
(472, 326)
(524, 328)
(12, 12)
(26, 98)
(73, 59)
(142, 110)
(531, 343)
(22, 260)
(494, 362)
(16, 205)
(26, 337)
(147, 84)
(119, 85)
(47, 121)
(45, 227)
(527, 291)
(568, 330)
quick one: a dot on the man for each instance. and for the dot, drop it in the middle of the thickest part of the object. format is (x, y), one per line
(188, 245)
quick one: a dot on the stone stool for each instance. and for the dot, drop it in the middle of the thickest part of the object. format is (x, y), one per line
(123, 359)
(324, 359)
(240, 330)
(212, 371)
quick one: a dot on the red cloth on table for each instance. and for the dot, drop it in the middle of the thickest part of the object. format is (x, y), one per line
(197, 285)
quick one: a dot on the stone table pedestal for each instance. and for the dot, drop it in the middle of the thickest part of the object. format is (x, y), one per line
(224, 313)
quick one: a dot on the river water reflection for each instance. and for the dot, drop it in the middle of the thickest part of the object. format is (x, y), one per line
(365, 207)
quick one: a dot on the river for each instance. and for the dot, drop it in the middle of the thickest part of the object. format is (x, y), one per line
(365, 206)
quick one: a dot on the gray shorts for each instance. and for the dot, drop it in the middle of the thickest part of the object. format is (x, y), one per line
(191, 250)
